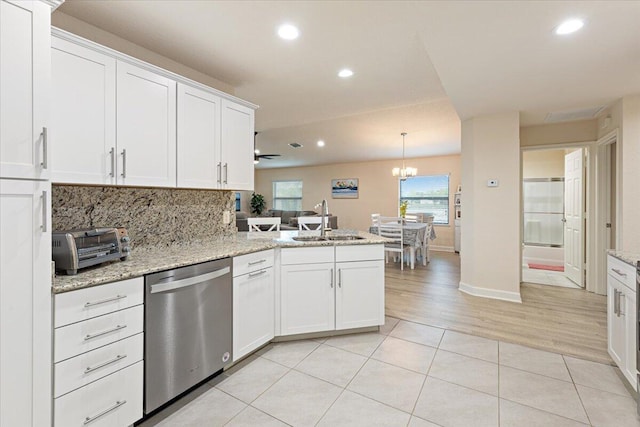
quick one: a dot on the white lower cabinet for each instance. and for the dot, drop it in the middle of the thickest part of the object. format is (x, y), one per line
(344, 291)
(98, 355)
(113, 401)
(621, 317)
(307, 298)
(253, 302)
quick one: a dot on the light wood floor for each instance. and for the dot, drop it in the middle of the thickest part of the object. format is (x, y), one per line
(561, 320)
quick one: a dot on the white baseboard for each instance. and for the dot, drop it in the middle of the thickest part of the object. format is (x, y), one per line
(490, 293)
(441, 248)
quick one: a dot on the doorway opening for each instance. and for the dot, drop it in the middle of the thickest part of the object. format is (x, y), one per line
(589, 215)
(553, 195)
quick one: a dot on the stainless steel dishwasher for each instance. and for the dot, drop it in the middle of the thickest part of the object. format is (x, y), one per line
(188, 328)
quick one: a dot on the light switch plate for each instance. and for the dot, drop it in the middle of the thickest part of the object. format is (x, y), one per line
(226, 217)
(492, 183)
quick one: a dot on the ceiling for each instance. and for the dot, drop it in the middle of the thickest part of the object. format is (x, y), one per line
(419, 66)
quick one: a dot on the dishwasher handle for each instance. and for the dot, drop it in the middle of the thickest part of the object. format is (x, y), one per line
(189, 281)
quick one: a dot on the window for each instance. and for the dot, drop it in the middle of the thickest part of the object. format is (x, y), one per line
(287, 195)
(237, 202)
(427, 195)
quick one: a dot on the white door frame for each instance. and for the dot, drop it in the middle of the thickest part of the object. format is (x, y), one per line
(594, 245)
(600, 237)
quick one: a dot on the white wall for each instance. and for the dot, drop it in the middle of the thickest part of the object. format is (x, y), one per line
(378, 191)
(543, 164)
(97, 35)
(625, 116)
(490, 247)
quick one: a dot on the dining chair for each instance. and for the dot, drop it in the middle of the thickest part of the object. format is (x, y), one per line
(256, 223)
(413, 218)
(375, 217)
(397, 245)
(423, 249)
(311, 222)
(390, 220)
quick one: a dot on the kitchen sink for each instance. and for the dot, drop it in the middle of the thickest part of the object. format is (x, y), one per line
(345, 237)
(309, 238)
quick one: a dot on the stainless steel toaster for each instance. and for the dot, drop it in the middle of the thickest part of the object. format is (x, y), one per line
(76, 249)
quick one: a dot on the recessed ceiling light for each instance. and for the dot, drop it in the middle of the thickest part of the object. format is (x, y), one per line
(569, 26)
(345, 72)
(321, 143)
(288, 32)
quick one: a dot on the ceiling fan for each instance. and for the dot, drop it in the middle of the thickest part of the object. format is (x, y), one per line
(256, 153)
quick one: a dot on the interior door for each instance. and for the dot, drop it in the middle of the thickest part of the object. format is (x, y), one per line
(574, 216)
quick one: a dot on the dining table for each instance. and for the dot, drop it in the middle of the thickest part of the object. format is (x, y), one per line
(412, 232)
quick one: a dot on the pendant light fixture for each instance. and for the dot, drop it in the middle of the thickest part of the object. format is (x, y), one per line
(404, 172)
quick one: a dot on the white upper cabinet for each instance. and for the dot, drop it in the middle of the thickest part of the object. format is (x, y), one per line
(238, 124)
(198, 138)
(24, 80)
(146, 127)
(83, 114)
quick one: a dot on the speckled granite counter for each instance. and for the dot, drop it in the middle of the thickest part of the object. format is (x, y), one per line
(628, 257)
(149, 260)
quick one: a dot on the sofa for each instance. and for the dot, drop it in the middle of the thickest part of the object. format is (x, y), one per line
(289, 219)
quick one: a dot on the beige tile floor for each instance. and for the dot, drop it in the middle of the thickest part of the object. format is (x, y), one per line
(547, 277)
(408, 374)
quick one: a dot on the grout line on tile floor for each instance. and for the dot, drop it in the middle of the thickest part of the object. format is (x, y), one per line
(576, 389)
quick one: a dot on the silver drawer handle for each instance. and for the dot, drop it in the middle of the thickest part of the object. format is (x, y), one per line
(118, 404)
(257, 262)
(112, 153)
(45, 142)
(257, 273)
(618, 272)
(103, 364)
(99, 334)
(103, 301)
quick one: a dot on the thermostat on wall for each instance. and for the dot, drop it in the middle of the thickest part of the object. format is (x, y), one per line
(492, 183)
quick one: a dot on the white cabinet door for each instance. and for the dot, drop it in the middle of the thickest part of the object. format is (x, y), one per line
(25, 65)
(83, 115)
(146, 127)
(307, 298)
(25, 303)
(237, 146)
(198, 138)
(253, 312)
(629, 316)
(360, 294)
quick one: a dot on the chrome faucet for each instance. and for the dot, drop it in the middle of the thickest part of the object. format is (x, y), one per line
(324, 213)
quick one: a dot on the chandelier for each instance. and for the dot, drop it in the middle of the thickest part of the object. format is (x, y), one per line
(404, 172)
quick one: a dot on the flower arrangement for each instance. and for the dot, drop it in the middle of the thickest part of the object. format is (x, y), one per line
(403, 208)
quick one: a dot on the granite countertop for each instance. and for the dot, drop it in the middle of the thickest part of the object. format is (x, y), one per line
(628, 257)
(151, 259)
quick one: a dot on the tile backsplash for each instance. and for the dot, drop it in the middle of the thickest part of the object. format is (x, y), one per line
(152, 216)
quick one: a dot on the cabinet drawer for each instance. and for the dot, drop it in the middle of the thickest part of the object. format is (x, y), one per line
(359, 253)
(83, 304)
(248, 263)
(622, 271)
(91, 366)
(308, 255)
(115, 400)
(84, 336)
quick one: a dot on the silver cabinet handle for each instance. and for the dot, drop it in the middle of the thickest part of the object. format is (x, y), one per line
(112, 153)
(219, 167)
(257, 262)
(340, 277)
(190, 281)
(226, 170)
(258, 273)
(108, 331)
(124, 163)
(119, 357)
(332, 277)
(618, 272)
(91, 419)
(616, 303)
(45, 141)
(103, 301)
(45, 204)
(620, 304)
